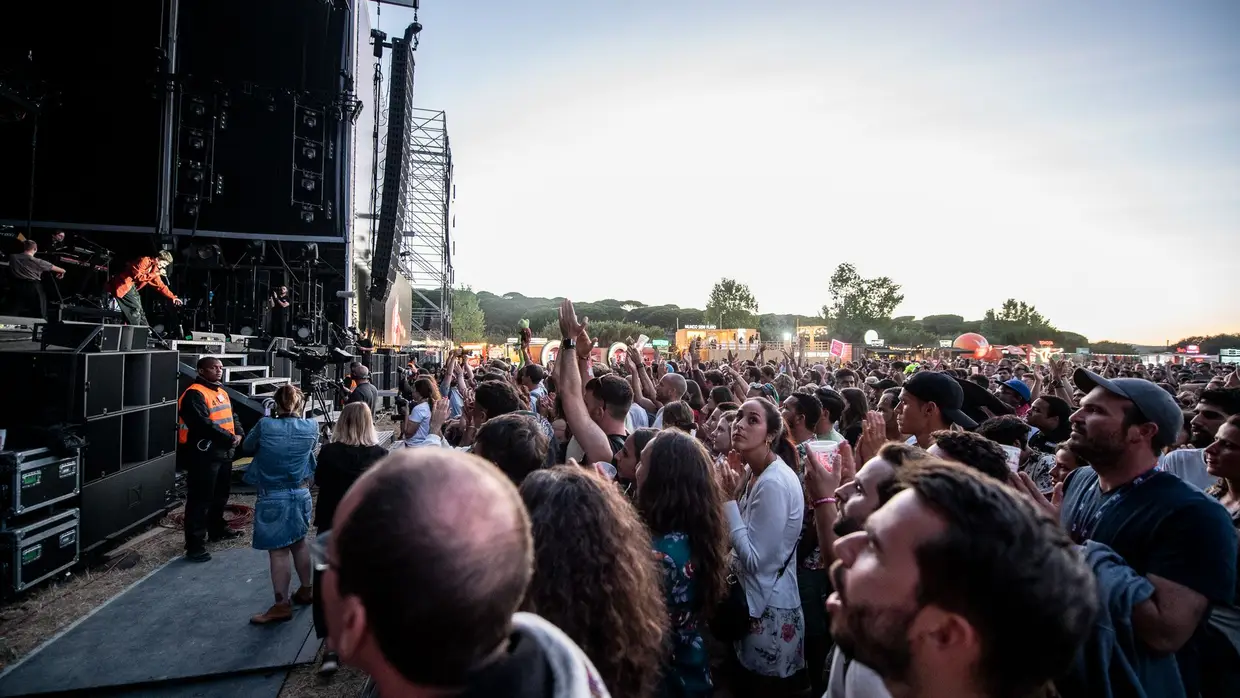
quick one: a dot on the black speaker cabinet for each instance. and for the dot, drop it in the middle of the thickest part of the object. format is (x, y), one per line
(60, 386)
(75, 334)
(116, 503)
(134, 337)
(39, 550)
(165, 372)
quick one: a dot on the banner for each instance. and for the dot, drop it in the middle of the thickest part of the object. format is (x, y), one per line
(837, 348)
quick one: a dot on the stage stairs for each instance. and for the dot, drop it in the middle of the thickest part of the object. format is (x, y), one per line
(252, 380)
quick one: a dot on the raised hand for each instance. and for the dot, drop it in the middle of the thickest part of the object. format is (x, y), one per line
(1232, 380)
(873, 436)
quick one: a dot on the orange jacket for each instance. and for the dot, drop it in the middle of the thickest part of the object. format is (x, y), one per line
(138, 274)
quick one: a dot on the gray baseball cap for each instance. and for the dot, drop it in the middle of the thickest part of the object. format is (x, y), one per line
(1156, 404)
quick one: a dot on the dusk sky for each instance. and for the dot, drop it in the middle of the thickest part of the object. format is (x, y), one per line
(1084, 157)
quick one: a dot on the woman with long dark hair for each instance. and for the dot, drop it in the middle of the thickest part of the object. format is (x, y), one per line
(855, 407)
(594, 576)
(765, 508)
(680, 501)
(418, 427)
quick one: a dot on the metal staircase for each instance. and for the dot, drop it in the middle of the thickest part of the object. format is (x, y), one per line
(248, 379)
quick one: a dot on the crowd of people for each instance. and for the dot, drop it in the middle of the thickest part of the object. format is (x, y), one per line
(773, 527)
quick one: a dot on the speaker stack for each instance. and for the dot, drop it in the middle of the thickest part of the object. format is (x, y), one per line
(90, 430)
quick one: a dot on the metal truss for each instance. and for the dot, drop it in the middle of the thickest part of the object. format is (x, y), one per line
(424, 221)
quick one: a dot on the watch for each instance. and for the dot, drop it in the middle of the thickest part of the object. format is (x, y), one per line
(567, 344)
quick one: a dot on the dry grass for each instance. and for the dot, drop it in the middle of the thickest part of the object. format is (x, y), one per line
(29, 621)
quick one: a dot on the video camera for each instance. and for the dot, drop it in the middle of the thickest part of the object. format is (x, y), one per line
(312, 361)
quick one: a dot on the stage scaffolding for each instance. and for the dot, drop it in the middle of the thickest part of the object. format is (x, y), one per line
(424, 222)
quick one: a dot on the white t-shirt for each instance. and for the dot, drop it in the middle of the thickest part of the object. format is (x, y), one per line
(421, 415)
(1190, 465)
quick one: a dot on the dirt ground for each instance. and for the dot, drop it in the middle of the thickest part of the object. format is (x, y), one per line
(35, 618)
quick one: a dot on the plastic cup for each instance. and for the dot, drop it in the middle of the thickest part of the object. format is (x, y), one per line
(824, 453)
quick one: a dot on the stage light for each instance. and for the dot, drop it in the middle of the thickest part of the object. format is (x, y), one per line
(198, 108)
(303, 332)
(247, 330)
(307, 183)
(197, 143)
(307, 216)
(196, 176)
(158, 328)
(223, 121)
(309, 120)
(219, 184)
(271, 103)
(309, 152)
(191, 209)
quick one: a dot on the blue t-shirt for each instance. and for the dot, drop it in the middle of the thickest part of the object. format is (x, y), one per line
(1162, 526)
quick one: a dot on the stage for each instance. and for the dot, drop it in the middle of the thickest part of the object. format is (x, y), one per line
(183, 630)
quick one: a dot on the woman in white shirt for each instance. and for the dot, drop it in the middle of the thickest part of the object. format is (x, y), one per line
(764, 513)
(425, 394)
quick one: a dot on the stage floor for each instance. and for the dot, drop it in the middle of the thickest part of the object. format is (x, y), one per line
(182, 631)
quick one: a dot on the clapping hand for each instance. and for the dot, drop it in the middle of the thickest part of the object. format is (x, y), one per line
(730, 475)
(873, 436)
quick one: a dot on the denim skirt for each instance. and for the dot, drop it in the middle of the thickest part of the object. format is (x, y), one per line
(281, 518)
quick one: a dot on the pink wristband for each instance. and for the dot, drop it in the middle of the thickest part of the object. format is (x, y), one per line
(824, 500)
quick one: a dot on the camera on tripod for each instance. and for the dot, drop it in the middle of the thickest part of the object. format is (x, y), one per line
(313, 361)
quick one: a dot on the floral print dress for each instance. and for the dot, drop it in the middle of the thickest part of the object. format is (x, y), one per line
(688, 673)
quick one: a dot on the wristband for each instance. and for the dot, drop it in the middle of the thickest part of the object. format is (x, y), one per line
(567, 344)
(824, 500)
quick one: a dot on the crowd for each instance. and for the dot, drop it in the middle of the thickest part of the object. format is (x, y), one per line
(776, 527)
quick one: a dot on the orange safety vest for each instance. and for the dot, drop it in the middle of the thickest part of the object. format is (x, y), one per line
(218, 405)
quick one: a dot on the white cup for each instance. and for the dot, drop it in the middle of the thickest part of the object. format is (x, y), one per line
(824, 453)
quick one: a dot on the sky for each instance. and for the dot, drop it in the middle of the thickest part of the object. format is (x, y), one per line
(1083, 157)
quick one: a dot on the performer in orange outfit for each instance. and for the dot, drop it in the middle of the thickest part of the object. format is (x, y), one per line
(137, 274)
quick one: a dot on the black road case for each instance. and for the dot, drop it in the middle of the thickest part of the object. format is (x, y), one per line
(36, 551)
(36, 478)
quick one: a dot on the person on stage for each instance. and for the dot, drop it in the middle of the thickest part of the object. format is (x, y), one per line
(280, 302)
(26, 295)
(206, 437)
(138, 274)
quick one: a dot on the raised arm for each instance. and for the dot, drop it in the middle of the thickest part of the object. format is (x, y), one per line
(589, 435)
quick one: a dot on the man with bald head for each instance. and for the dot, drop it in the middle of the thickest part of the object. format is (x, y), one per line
(428, 560)
(363, 389)
(670, 388)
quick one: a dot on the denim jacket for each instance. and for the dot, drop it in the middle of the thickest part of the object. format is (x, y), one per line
(283, 452)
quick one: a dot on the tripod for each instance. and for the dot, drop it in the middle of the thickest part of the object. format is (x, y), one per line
(314, 386)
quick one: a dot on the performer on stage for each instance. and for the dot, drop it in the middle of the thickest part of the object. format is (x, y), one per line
(138, 274)
(26, 295)
(279, 312)
(206, 437)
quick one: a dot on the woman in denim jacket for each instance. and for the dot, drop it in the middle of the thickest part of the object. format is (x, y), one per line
(283, 448)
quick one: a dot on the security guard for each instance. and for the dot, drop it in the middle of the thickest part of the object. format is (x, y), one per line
(206, 437)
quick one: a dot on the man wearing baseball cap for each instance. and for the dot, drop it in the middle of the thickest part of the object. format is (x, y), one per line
(1171, 534)
(930, 402)
(1017, 395)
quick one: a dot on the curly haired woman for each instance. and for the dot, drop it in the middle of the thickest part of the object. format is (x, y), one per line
(682, 505)
(594, 577)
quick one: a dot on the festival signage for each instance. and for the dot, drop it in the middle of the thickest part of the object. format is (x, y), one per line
(945, 344)
(1229, 356)
(658, 342)
(700, 327)
(1046, 342)
(837, 348)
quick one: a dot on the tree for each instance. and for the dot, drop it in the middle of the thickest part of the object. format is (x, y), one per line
(858, 302)
(468, 320)
(1017, 322)
(1106, 347)
(731, 304)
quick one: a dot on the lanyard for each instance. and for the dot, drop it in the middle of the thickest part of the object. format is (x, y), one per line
(1084, 530)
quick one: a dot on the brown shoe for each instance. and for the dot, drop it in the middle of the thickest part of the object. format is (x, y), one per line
(304, 596)
(278, 613)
